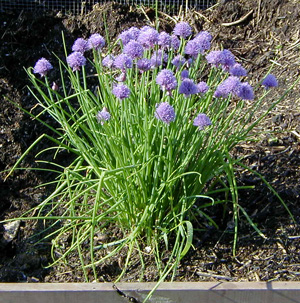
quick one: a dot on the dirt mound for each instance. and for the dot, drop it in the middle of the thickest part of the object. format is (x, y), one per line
(259, 33)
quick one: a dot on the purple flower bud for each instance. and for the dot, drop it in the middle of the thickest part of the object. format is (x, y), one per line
(178, 61)
(96, 41)
(144, 64)
(184, 74)
(123, 62)
(188, 87)
(121, 91)
(224, 58)
(182, 29)
(76, 60)
(80, 45)
(158, 58)
(108, 61)
(165, 112)
(42, 67)
(270, 81)
(175, 42)
(237, 70)
(133, 49)
(164, 40)
(103, 116)
(202, 121)
(148, 37)
(245, 91)
(202, 87)
(230, 85)
(166, 79)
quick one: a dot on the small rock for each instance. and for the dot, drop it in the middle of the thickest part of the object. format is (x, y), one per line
(10, 230)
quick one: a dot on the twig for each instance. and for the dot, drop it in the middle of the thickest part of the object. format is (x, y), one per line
(238, 21)
(204, 274)
(202, 16)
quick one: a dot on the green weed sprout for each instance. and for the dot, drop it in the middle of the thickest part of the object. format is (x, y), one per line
(149, 132)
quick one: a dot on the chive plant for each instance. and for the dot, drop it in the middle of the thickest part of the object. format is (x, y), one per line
(150, 147)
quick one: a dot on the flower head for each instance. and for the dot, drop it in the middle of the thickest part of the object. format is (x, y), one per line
(270, 81)
(245, 91)
(194, 48)
(96, 41)
(178, 61)
(148, 37)
(184, 74)
(230, 85)
(133, 49)
(103, 115)
(182, 29)
(166, 79)
(165, 112)
(164, 40)
(188, 87)
(108, 61)
(144, 64)
(123, 62)
(128, 35)
(175, 42)
(80, 45)
(204, 38)
(225, 58)
(202, 87)
(121, 91)
(202, 121)
(42, 67)
(76, 60)
(237, 70)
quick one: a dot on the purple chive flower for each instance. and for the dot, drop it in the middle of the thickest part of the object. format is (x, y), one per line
(178, 61)
(204, 38)
(202, 121)
(224, 58)
(42, 67)
(184, 74)
(270, 81)
(123, 62)
(133, 49)
(237, 70)
(95, 41)
(103, 115)
(164, 40)
(108, 61)
(230, 85)
(166, 79)
(193, 48)
(158, 58)
(121, 91)
(202, 87)
(175, 42)
(125, 37)
(165, 112)
(80, 45)
(182, 29)
(245, 91)
(76, 60)
(188, 87)
(134, 32)
(144, 64)
(148, 37)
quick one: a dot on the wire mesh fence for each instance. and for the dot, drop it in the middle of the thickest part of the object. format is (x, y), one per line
(80, 6)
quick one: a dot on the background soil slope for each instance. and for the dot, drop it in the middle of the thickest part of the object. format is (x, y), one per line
(259, 33)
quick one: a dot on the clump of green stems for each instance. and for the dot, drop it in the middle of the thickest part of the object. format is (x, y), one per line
(148, 178)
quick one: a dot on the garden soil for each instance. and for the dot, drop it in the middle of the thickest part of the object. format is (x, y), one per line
(260, 34)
